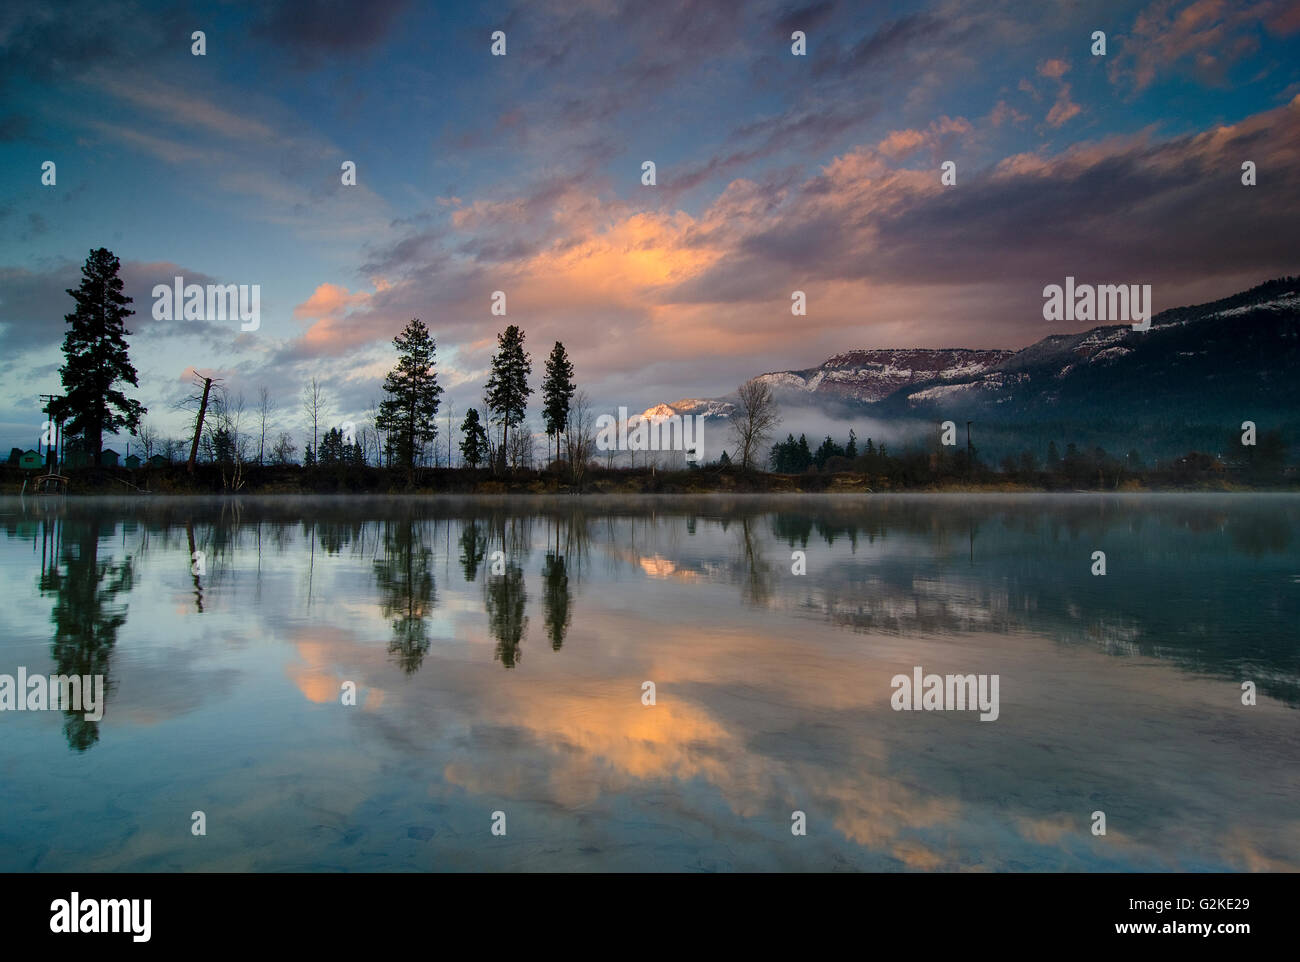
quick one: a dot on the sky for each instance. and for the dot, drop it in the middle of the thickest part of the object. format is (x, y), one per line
(522, 173)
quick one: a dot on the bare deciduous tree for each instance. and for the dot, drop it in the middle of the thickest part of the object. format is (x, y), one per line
(284, 449)
(149, 439)
(521, 449)
(755, 419)
(579, 435)
(223, 442)
(314, 406)
(264, 408)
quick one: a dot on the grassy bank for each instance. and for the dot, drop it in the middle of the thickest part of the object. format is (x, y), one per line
(295, 479)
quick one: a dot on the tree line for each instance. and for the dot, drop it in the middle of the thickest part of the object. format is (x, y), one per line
(1075, 466)
(402, 430)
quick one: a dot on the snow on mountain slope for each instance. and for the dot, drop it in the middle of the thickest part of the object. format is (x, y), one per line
(876, 374)
(871, 376)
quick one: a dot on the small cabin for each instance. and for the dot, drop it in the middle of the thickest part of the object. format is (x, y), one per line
(31, 460)
(108, 458)
(132, 462)
(158, 461)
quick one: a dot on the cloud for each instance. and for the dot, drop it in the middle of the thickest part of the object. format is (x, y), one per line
(804, 18)
(85, 35)
(334, 328)
(775, 173)
(888, 43)
(170, 151)
(806, 128)
(170, 103)
(886, 255)
(1064, 109)
(941, 134)
(1055, 69)
(32, 306)
(35, 303)
(1003, 113)
(290, 176)
(1203, 40)
(1166, 211)
(318, 28)
(328, 299)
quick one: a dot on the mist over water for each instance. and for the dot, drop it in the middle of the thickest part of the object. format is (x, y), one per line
(499, 647)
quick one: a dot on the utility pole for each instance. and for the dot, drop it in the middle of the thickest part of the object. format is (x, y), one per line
(970, 465)
(198, 427)
(449, 409)
(57, 423)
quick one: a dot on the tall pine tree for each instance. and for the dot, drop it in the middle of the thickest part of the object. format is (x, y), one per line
(557, 392)
(96, 357)
(507, 388)
(474, 442)
(408, 414)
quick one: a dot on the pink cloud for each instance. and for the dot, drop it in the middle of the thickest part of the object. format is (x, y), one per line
(1056, 69)
(1004, 113)
(329, 300)
(1064, 109)
(886, 255)
(902, 143)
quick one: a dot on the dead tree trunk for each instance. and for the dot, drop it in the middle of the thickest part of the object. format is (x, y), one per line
(198, 428)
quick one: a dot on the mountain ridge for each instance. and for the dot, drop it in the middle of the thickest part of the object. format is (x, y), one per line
(1198, 370)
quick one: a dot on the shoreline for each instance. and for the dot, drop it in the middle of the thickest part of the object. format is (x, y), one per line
(357, 483)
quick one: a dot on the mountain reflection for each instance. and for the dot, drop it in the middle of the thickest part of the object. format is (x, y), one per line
(1203, 582)
(773, 681)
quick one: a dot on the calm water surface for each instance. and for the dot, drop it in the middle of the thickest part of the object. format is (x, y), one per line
(499, 648)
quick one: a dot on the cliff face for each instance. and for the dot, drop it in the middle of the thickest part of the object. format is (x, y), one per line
(872, 376)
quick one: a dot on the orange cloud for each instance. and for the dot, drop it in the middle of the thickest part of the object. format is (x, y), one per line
(319, 676)
(1056, 69)
(329, 300)
(902, 143)
(338, 324)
